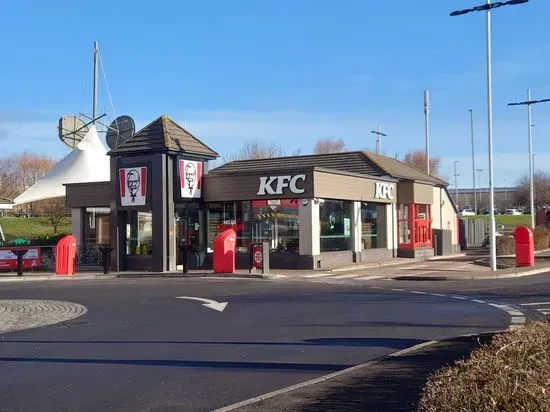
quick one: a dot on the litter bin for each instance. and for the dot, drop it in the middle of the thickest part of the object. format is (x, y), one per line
(224, 252)
(65, 256)
(525, 246)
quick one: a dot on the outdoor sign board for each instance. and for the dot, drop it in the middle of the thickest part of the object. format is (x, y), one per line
(190, 173)
(31, 259)
(383, 190)
(133, 185)
(276, 185)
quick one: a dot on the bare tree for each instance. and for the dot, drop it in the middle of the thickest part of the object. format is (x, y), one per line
(9, 186)
(255, 149)
(55, 211)
(417, 159)
(330, 145)
(542, 189)
(31, 168)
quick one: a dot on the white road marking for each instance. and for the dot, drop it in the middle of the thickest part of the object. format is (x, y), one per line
(459, 297)
(317, 275)
(417, 292)
(544, 311)
(438, 294)
(536, 304)
(479, 301)
(398, 290)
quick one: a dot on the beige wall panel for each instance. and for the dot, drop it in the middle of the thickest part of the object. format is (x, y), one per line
(344, 187)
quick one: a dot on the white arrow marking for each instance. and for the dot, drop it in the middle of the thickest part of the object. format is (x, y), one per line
(209, 303)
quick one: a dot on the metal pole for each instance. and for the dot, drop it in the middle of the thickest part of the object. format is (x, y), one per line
(473, 159)
(427, 126)
(492, 227)
(96, 67)
(531, 177)
(379, 141)
(456, 185)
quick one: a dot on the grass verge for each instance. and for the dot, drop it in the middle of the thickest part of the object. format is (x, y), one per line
(30, 228)
(511, 373)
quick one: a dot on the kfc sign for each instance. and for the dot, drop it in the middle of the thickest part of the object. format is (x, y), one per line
(275, 185)
(133, 186)
(190, 178)
(383, 191)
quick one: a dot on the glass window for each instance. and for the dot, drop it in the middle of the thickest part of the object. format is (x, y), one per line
(404, 225)
(335, 221)
(373, 225)
(273, 221)
(139, 233)
(277, 222)
(96, 226)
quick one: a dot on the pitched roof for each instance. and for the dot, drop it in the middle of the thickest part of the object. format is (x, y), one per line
(354, 162)
(397, 168)
(164, 135)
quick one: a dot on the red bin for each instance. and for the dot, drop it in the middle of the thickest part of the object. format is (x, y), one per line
(525, 246)
(224, 251)
(65, 256)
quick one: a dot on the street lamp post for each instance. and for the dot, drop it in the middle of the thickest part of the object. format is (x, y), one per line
(505, 195)
(427, 126)
(487, 8)
(529, 103)
(378, 134)
(473, 159)
(479, 185)
(456, 185)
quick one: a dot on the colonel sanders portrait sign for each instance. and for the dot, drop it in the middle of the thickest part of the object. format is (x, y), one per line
(190, 178)
(133, 186)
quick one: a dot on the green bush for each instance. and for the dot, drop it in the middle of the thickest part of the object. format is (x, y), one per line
(48, 239)
(541, 238)
(505, 245)
(511, 373)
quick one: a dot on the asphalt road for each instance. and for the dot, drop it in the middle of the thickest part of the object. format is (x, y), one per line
(138, 348)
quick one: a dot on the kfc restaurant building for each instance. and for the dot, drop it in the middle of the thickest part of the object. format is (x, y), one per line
(316, 211)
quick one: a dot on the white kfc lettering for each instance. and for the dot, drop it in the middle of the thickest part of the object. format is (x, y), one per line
(383, 191)
(290, 182)
(293, 187)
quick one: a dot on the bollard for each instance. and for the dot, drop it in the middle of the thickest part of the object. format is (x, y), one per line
(183, 250)
(106, 252)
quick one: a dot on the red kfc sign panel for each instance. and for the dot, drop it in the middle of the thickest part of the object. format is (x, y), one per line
(133, 186)
(190, 178)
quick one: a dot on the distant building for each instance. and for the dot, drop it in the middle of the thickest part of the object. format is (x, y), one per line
(504, 197)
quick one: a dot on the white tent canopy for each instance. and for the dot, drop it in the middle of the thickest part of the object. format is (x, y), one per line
(88, 162)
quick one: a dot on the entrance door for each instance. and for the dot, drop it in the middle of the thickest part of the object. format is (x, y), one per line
(189, 232)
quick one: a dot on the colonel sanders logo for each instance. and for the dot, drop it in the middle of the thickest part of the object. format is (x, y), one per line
(133, 186)
(132, 181)
(190, 178)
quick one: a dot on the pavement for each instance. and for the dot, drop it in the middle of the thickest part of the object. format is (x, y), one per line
(455, 267)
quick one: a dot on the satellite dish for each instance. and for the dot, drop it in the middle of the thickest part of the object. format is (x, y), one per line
(71, 130)
(120, 130)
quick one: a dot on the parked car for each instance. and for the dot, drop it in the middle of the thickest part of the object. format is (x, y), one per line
(514, 212)
(467, 212)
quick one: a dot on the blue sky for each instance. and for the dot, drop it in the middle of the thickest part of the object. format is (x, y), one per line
(287, 72)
